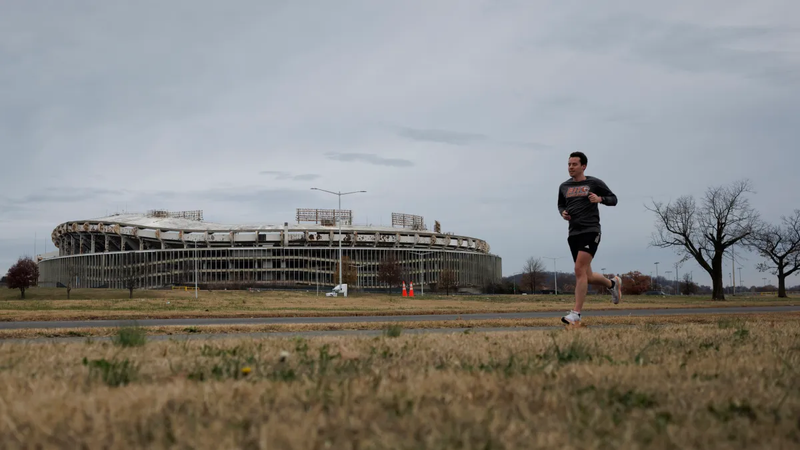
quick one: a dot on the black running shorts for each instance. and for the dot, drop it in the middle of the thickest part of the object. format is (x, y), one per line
(584, 242)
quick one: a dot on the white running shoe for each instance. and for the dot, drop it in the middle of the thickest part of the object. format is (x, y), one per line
(616, 291)
(572, 318)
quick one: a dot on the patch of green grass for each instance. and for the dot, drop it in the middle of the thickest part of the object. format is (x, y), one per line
(727, 323)
(741, 334)
(226, 364)
(575, 351)
(113, 373)
(733, 410)
(617, 402)
(650, 327)
(130, 336)
(508, 368)
(393, 330)
(641, 357)
(707, 344)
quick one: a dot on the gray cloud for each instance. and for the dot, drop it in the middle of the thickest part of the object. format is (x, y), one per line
(61, 195)
(461, 138)
(742, 50)
(443, 136)
(370, 159)
(528, 145)
(288, 176)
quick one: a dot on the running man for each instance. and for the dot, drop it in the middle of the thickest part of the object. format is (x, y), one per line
(578, 200)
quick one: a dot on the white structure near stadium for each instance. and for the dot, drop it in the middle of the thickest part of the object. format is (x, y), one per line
(164, 249)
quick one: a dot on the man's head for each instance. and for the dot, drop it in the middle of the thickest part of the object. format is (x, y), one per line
(577, 164)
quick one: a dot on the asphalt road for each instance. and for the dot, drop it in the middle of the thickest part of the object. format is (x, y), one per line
(408, 318)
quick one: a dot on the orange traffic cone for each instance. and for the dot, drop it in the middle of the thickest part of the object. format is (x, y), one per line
(404, 289)
(411, 292)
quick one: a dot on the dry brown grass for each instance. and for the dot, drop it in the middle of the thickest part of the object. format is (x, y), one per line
(33, 333)
(731, 384)
(87, 304)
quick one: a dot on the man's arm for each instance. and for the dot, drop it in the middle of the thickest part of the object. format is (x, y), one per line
(562, 205)
(609, 199)
(562, 202)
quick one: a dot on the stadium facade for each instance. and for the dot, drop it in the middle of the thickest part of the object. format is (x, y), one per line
(161, 248)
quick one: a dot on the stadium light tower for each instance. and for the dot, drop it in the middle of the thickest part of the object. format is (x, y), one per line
(340, 194)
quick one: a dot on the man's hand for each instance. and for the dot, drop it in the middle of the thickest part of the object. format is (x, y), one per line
(594, 198)
(565, 215)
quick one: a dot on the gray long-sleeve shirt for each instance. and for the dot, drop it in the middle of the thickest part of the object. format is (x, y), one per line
(573, 196)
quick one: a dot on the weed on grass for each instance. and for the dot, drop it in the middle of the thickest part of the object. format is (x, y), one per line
(732, 410)
(393, 330)
(113, 373)
(575, 351)
(641, 357)
(727, 323)
(130, 336)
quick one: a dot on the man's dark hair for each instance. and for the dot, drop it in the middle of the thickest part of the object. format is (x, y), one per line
(579, 155)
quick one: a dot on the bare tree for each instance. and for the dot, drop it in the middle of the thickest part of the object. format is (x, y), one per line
(688, 286)
(533, 274)
(22, 275)
(390, 271)
(71, 273)
(349, 272)
(780, 245)
(447, 280)
(133, 276)
(704, 232)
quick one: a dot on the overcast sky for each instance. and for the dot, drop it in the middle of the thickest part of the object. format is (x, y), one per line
(460, 111)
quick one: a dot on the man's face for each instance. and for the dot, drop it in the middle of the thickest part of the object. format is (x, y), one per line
(575, 168)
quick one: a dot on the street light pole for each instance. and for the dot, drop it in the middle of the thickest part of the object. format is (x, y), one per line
(741, 283)
(656, 284)
(195, 267)
(555, 272)
(421, 273)
(340, 194)
(668, 272)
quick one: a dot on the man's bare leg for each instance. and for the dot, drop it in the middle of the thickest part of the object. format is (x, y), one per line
(583, 277)
(598, 279)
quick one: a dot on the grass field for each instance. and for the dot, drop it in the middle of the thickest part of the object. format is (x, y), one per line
(86, 304)
(728, 384)
(34, 333)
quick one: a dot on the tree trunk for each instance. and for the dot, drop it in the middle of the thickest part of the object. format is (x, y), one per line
(68, 289)
(717, 279)
(22, 290)
(131, 293)
(781, 283)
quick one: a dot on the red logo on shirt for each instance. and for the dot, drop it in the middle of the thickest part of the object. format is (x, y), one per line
(578, 191)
